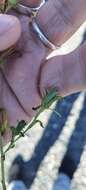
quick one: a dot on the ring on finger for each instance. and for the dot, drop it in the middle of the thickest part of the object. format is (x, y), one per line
(28, 11)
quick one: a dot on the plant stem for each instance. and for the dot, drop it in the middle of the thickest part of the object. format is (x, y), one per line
(31, 124)
(28, 127)
(5, 5)
(2, 164)
(45, 105)
(5, 54)
(9, 147)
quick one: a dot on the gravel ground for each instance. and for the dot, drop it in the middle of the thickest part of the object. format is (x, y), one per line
(44, 149)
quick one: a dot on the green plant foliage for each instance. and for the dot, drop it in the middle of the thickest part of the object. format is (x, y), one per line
(8, 4)
(18, 129)
(22, 127)
(13, 3)
(50, 97)
(4, 121)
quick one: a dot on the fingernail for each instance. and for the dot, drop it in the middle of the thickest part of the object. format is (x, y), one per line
(10, 31)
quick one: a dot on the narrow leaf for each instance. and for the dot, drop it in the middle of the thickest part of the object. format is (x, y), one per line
(21, 125)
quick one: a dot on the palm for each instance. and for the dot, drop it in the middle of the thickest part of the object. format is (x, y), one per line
(20, 92)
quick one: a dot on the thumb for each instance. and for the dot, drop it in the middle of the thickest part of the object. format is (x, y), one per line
(10, 31)
(66, 73)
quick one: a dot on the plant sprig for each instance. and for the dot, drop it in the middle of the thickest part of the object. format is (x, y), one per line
(3, 127)
(7, 5)
(22, 127)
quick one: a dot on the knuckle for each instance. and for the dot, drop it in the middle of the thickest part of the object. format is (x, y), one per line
(64, 11)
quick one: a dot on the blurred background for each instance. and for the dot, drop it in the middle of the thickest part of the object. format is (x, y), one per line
(43, 149)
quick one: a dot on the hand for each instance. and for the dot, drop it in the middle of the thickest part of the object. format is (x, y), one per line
(24, 74)
(19, 75)
(59, 19)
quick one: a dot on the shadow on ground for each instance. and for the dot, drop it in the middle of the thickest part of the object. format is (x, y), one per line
(28, 170)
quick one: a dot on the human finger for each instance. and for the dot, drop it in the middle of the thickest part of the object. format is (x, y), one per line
(59, 19)
(10, 30)
(66, 73)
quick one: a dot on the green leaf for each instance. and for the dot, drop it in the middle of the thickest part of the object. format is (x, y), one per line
(13, 130)
(13, 3)
(21, 125)
(18, 129)
(40, 122)
(58, 114)
(49, 98)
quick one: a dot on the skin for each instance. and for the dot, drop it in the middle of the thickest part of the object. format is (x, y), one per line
(25, 75)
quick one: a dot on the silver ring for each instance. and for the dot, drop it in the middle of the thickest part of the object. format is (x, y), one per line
(28, 11)
(42, 37)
